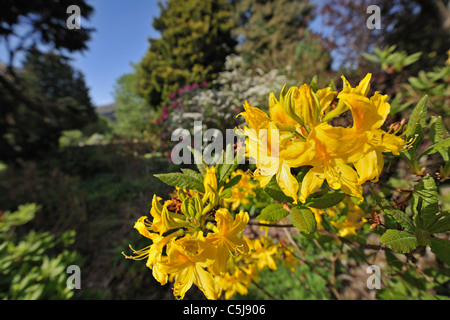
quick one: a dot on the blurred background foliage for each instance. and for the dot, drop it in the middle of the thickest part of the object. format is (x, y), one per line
(72, 181)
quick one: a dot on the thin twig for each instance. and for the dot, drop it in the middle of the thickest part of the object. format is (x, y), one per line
(254, 223)
(351, 242)
(264, 291)
(314, 270)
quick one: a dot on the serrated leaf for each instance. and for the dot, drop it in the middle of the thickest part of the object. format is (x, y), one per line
(181, 180)
(418, 116)
(327, 200)
(193, 174)
(399, 241)
(437, 132)
(441, 147)
(417, 134)
(272, 213)
(399, 216)
(425, 202)
(441, 248)
(303, 219)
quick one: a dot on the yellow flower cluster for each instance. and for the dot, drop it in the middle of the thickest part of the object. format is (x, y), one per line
(296, 133)
(347, 217)
(194, 244)
(244, 269)
(241, 192)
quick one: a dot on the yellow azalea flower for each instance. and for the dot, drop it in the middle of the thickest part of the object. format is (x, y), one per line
(225, 237)
(241, 192)
(277, 113)
(256, 118)
(369, 114)
(186, 263)
(307, 105)
(263, 144)
(143, 226)
(153, 252)
(353, 221)
(328, 165)
(326, 97)
(237, 282)
(262, 251)
(163, 219)
(289, 258)
(318, 216)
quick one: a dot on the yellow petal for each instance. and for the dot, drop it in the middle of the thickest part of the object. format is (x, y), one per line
(349, 181)
(326, 96)
(370, 166)
(143, 228)
(287, 182)
(277, 113)
(306, 105)
(206, 283)
(298, 153)
(255, 117)
(312, 181)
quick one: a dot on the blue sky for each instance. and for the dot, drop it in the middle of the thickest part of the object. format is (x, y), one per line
(121, 38)
(123, 28)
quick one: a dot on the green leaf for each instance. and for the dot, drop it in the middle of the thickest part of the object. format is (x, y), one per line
(303, 219)
(418, 116)
(437, 132)
(327, 200)
(441, 248)
(198, 160)
(399, 241)
(441, 147)
(273, 213)
(442, 223)
(233, 181)
(193, 174)
(228, 164)
(181, 180)
(417, 134)
(273, 190)
(417, 84)
(399, 216)
(425, 202)
(423, 237)
(226, 193)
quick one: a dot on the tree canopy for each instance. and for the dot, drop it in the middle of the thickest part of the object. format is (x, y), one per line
(195, 39)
